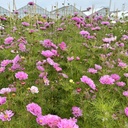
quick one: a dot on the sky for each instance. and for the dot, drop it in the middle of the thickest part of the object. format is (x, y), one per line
(80, 4)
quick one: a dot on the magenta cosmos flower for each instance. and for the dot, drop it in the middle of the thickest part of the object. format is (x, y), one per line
(25, 24)
(62, 46)
(76, 111)
(8, 40)
(5, 90)
(126, 111)
(47, 53)
(4, 63)
(98, 67)
(125, 93)
(92, 70)
(31, 3)
(2, 100)
(115, 76)
(48, 120)
(34, 109)
(105, 23)
(6, 115)
(106, 79)
(88, 81)
(67, 123)
(84, 33)
(21, 75)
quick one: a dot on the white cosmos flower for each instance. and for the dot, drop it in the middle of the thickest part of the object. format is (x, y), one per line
(34, 89)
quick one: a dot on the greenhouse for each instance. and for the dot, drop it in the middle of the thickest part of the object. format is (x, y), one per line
(103, 11)
(4, 12)
(32, 10)
(66, 10)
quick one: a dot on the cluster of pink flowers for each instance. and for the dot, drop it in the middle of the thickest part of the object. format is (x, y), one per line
(48, 120)
(88, 81)
(21, 75)
(106, 79)
(14, 62)
(52, 121)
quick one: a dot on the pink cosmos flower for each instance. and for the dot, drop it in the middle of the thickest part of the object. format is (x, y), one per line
(47, 43)
(63, 46)
(126, 111)
(121, 83)
(47, 53)
(77, 58)
(2, 69)
(88, 81)
(122, 64)
(34, 109)
(126, 74)
(54, 52)
(125, 93)
(76, 111)
(25, 24)
(92, 70)
(64, 75)
(67, 123)
(57, 68)
(31, 3)
(21, 75)
(8, 40)
(4, 63)
(115, 76)
(16, 59)
(70, 58)
(6, 115)
(40, 68)
(2, 100)
(106, 79)
(84, 33)
(98, 67)
(5, 90)
(42, 28)
(50, 61)
(48, 120)
(105, 23)
(16, 66)
(22, 47)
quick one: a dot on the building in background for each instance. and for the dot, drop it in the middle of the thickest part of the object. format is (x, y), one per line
(4, 12)
(103, 11)
(119, 15)
(66, 11)
(32, 10)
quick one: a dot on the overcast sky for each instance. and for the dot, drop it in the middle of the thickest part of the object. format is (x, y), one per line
(80, 4)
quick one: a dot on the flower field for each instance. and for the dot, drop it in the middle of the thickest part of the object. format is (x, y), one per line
(66, 73)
